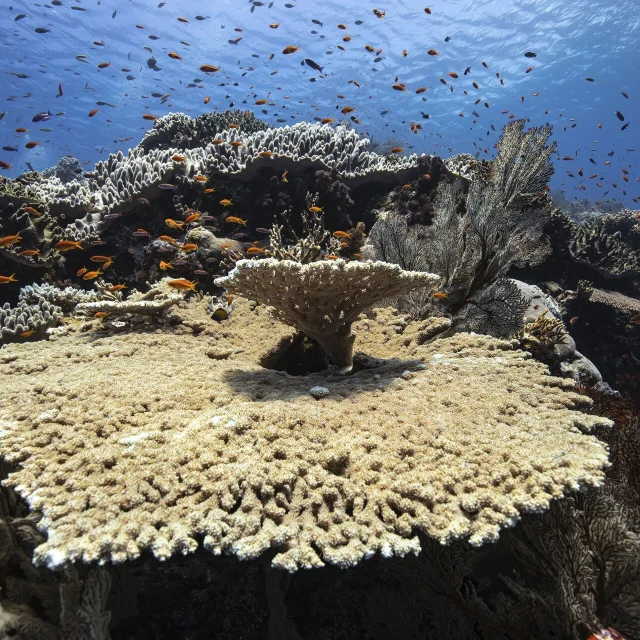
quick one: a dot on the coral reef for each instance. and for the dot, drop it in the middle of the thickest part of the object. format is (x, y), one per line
(322, 299)
(250, 465)
(18, 322)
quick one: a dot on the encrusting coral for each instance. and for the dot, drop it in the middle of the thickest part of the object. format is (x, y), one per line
(469, 433)
(322, 299)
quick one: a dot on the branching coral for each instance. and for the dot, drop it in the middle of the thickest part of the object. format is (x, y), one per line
(322, 299)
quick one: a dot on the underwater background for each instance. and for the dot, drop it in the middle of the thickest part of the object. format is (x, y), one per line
(572, 41)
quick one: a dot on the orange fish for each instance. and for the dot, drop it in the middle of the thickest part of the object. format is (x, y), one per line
(100, 314)
(5, 165)
(427, 10)
(174, 224)
(290, 49)
(399, 87)
(33, 211)
(452, 74)
(8, 279)
(117, 287)
(209, 190)
(341, 234)
(232, 125)
(182, 20)
(192, 217)
(168, 239)
(265, 154)
(369, 48)
(379, 14)
(217, 141)
(254, 250)
(165, 265)
(207, 99)
(331, 257)
(104, 65)
(91, 275)
(440, 295)
(261, 101)
(149, 116)
(30, 252)
(346, 110)
(433, 52)
(235, 220)
(226, 202)
(101, 259)
(183, 284)
(274, 25)
(200, 178)
(93, 112)
(27, 334)
(68, 245)
(174, 55)
(31, 145)
(236, 143)
(315, 209)
(189, 246)
(397, 150)
(209, 68)
(326, 121)
(421, 89)
(82, 271)
(21, 130)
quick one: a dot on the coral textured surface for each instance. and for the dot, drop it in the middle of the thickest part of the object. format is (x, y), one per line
(469, 434)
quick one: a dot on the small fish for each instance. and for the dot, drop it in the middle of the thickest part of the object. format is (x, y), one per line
(30, 252)
(590, 79)
(427, 10)
(440, 295)
(192, 217)
(207, 99)
(104, 65)
(174, 55)
(209, 190)
(397, 149)
(149, 116)
(263, 230)
(43, 116)
(290, 49)
(68, 245)
(620, 116)
(93, 112)
(8, 279)
(117, 287)
(5, 165)
(284, 175)
(236, 143)
(266, 154)
(174, 224)
(100, 315)
(7, 241)
(274, 25)
(209, 68)
(331, 257)
(433, 52)
(141, 233)
(189, 246)
(346, 110)
(530, 54)
(32, 211)
(315, 209)
(165, 265)
(341, 234)
(226, 202)
(379, 14)
(235, 220)
(180, 19)
(399, 87)
(326, 120)
(182, 284)
(624, 126)
(422, 89)
(27, 334)
(41, 30)
(168, 186)
(31, 145)
(573, 320)
(101, 259)
(20, 16)
(314, 65)
(92, 275)
(254, 251)
(625, 94)
(200, 178)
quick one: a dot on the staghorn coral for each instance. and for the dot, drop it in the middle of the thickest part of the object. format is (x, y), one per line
(543, 330)
(469, 434)
(322, 299)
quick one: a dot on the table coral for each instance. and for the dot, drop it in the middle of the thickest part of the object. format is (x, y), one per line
(143, 442)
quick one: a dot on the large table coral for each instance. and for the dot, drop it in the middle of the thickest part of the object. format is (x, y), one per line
(162, 441)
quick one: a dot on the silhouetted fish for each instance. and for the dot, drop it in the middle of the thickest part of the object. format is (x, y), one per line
(43, 116)
(313, 65)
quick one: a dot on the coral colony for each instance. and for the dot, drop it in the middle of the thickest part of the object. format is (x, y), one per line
(240, 352)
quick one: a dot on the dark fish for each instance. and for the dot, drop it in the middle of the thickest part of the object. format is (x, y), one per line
(620, 116)
(56, 3)
(316, 22)
(76, 8)
(624, 126)
(447, 39)
(22, 76)
(152, 37)
(313, 65)
(41, 30)
(43, 116)
(625, 95)
(530, 54)
(113, 15)
(426, 116)
(467, 71)
(289, 5)
(19, 17)
(103, 104)
(3, 114)
(151, 63)
(10, 148)
(358, 22)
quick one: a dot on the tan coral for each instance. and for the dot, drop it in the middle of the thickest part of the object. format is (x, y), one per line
(142, 441)
(322, 299)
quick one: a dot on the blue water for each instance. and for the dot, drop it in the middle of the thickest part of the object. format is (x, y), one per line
(573, 39)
